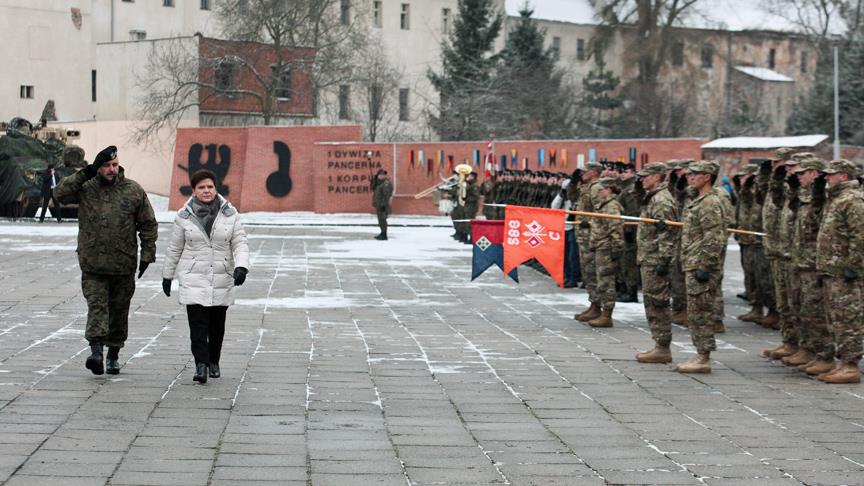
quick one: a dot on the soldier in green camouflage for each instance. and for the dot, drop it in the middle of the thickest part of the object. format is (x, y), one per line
(764, 279)
(606, 242)
(111, 210)
(702, 243)
(587, 196)
(840, 261)
(656, 250)
(682, 194)
(628, 270)
(382, 192)
(728, 220)
(743, 216)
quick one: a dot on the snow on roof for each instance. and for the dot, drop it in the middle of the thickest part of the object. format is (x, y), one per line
(765, 143)
(764, 74)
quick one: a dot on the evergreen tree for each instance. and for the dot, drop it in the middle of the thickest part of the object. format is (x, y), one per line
(599, 99)
(466, 83)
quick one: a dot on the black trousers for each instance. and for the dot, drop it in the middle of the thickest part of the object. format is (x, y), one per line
(55, 211)
(206, 331)
(382, 220)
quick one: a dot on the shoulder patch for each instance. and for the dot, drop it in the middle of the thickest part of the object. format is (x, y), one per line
(185, 213)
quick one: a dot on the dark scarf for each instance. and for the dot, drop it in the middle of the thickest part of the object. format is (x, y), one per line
(206, 213)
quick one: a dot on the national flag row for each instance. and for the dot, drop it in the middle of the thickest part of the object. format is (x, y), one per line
(525, 233)
(492, 163)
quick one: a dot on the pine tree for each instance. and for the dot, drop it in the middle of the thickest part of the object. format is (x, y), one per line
(599, 86)
(465, 85)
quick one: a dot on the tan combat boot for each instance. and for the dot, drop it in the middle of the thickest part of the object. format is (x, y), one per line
(800, 357)
(767, 351)
(604, 320)
(719, 327)
(808, 364)
(820, 366)
(754, 314)
(846, 373)
(679, 317)
(660, 354)
(592, 312)
(787, 349)
(701, 363)
(771, 321)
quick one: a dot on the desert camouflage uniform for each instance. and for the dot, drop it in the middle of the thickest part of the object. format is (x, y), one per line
(606, 243)
(657, 246)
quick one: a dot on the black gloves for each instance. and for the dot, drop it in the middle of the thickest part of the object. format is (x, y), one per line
(765, 167)
(702, 276)
(662, 268)
(166, 286)
(793, 181)
(142, 267)
(849, 275)
(239, 276)
(661, 224)
(584, 224)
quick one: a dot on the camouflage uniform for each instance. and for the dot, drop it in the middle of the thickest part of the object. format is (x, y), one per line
(839, 254)
(682, 193)
(728, 220)
(763, 281)
(657, 247)
(382, 191)
(109, 215)
(791, 324)
(628, 269)
(702, 243)
(583, 237)
(746, 242)
(606, 243)
(771, 221)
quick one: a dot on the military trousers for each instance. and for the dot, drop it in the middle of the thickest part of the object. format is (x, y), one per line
(719, 307)
(764, 278)
(458, 212)
(656, 291)
(678, 289)
(382, 220)
(628, 270)
(607, 270)
(108, 298)
(748, 254)
(813, 328)
(589, 270)
(780, 277)
(845, 311)
(701, 300)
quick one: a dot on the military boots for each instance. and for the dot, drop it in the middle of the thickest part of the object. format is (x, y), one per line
(771, 321)
(660, 354)
(680, 317)
(819, 366)
(845, 373)
(800, 357)
(94, 361)
(604, 320)
(754, 314)
(112, 366)
(701, 363)
(592, 312)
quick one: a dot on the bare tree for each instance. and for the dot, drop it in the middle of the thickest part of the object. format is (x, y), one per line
(812, 17)
(378, 94)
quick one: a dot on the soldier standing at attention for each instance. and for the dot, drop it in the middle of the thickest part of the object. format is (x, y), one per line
(729, 220)
(657, 243)
(681, 192)
(702, 242)
(606, 243)
(111, 210)
(382, 192)
(747, 243)
(628, 270)
(840, 261)
(583, 235)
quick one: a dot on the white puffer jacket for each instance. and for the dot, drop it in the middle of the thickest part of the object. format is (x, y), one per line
(205, 266)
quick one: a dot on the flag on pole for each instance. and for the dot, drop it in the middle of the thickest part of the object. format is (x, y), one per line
(553, 157)
(440, 159)
(488, 239)
(503, 164)
(535, 233)
(541, 157)
(450, 163)
(514, 159)
(411, 159)
(476, 157)
(421, 159)
(563, 157)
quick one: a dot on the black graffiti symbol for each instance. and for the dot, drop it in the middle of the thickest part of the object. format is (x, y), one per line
(219, 168)
(279, 183)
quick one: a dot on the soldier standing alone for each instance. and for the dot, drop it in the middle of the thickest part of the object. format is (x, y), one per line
(111, 209)
(382, 191)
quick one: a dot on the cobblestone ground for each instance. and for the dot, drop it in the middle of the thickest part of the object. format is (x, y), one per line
(353, 362)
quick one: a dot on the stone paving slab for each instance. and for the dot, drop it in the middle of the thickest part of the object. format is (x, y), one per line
(349, 361)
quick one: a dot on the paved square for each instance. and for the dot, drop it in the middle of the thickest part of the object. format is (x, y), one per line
(349, 361)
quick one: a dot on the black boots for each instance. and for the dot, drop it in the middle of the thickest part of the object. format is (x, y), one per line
(112, 366)
(200, 373)
(94, 361)
(214, 371)
(382, 236)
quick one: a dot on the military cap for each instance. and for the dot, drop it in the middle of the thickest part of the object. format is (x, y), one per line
(673, 164)
(607, 182)
(783, 153)
(108, 153)
(686, 162)
(799, 157)
(748, 169)
(703, 167)
(593, 166)
(811, 163)
(842, 166)
(652, 169)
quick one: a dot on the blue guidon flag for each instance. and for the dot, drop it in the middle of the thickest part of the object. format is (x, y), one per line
(488, 239)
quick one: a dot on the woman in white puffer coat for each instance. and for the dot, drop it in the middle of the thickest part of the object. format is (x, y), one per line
(209, 254)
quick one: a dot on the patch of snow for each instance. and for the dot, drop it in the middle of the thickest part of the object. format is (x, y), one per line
(764, 74)
(573, 11)
(766, 143)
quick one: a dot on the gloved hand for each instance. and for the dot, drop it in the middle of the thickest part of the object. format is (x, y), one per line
(239, 276)
(584, 224)
(108, 153)
(765, 167)
(702, 276)
(142, 267)
(166, 286)
(661, 224)
(850, 275)
(662, 268)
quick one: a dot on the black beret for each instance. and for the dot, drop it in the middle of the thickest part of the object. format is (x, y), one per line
(108, 153)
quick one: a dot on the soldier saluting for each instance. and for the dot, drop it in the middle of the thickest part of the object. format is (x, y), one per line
(111, 210)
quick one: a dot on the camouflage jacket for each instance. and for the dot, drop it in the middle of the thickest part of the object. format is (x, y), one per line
(788, 215)
(472, 195)
(382, 192)
(728, 208)
(742, 215)
(754, 216)
(655, 245)
(704, 234)
(607, 234)
(629, 201)
(807, 221)
(840, 244)
(586, 203)
(109, 215)
(771, 224)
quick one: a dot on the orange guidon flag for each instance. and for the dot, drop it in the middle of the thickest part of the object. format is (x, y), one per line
(535, 233)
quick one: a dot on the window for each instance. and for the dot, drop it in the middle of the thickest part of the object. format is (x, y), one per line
(405, 17)
(26, 92)
(376, 14)
(803, 62)
(404, 112)
(205, 4)
(93, 85)
(556, 48)
(167, 3)
(344, 99)
(580, 49)
(284, 83)
(137, 35)
(445, 21)
(345, 15)
(224, 76)
(772, 58)
(678, 54)
(707, 55)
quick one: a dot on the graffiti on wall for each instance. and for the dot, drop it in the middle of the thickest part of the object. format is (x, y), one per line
(279, 183)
